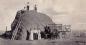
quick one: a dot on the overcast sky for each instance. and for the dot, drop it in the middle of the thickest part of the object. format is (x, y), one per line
(61, 11)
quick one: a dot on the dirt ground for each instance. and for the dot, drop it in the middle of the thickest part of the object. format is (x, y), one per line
(37, 42)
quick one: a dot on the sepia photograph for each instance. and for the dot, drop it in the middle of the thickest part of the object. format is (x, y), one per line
(42, 22)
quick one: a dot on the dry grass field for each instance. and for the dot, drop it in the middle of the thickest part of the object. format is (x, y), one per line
(37, 42)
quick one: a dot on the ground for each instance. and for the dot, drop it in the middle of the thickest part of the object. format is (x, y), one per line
(37, 42)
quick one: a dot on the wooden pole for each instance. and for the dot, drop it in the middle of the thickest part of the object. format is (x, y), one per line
(6, 28)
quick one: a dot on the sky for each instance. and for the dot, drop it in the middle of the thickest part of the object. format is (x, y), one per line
(72, 12)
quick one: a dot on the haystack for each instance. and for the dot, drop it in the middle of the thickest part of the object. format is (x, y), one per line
(26, 20)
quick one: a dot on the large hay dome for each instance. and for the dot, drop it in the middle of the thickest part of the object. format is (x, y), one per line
(27, 20)
(32, 19)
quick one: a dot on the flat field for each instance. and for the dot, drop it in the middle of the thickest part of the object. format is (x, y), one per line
(37, 42)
